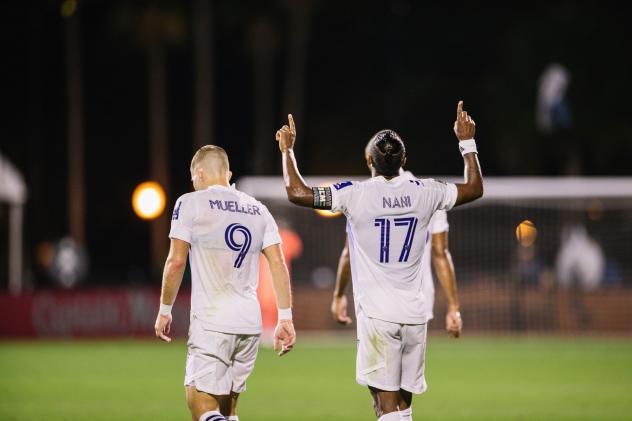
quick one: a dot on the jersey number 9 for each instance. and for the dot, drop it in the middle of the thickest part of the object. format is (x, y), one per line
(243, 246)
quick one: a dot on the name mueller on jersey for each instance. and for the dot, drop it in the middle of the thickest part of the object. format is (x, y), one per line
(234, 206)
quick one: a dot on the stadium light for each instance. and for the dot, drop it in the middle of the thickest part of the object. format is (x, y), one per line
(526, 233)
(148, 200)
(327, 213)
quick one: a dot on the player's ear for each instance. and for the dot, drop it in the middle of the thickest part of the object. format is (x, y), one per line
(230, 175)
(369, 161)
(403, 161)
(199, 173)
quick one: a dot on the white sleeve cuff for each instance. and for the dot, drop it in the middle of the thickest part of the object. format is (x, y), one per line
(452, 195)
(180, 233)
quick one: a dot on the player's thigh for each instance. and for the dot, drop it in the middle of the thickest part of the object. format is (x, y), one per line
(243, 362)
(414, 358)
(378, 362)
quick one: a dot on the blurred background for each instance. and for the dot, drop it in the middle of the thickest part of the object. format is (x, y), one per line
(101, 96)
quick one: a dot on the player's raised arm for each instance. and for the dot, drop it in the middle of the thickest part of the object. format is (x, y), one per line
(464, 128)
(298, 192)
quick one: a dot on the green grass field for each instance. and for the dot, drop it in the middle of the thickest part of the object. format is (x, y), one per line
(472, 378)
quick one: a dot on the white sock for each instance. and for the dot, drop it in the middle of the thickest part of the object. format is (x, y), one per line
(212, 416)
(407, 414)
(233, 418)
(391, 416)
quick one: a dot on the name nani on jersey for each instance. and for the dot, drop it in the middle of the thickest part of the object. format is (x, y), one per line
(233, 206)
(394, 202)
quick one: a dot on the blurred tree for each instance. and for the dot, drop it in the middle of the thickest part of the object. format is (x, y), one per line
(296, 63)
(263, 44)
(75, 129)
(154, 26)
(203, 36)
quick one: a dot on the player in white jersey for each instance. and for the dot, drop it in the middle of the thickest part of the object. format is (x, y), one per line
(387, 225)
(222, 231)
(441, 260)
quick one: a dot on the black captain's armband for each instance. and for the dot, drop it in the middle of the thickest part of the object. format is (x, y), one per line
(322, 197)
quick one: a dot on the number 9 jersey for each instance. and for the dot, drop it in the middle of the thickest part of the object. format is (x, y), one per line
(226, 230)
(387, 227)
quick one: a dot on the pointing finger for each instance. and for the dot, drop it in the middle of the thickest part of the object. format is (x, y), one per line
(292, 125)
(459, 109)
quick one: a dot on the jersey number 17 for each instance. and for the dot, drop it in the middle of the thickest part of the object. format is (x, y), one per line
(385, 236)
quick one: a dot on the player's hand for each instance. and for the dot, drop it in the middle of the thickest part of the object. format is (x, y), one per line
(464, 126)
(453, 323)
(163, 326)
(284, 337)
(286, 135)
(339, 310)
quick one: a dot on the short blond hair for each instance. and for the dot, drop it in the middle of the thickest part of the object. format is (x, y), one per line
(217, 154)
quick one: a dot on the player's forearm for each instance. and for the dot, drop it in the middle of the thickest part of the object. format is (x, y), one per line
(297, 191)
(472, 187)
(444, 268)
(343, 275)
(171, 280)
(281, 284)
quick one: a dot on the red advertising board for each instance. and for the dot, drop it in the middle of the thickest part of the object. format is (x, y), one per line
(87, 314)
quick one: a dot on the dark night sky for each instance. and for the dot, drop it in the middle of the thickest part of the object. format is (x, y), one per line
(399, 64)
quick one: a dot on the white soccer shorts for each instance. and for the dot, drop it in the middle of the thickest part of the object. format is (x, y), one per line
(218, 363)
(391, 356)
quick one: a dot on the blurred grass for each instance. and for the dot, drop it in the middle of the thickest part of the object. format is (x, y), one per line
(472, 378)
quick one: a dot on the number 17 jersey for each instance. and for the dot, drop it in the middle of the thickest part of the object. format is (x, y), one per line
(387, 226)
(227, 230)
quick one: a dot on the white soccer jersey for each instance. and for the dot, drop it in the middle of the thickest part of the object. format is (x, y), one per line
(438, 224)
(387, 226)
(227, 229)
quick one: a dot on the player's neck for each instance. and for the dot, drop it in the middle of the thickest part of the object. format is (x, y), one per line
(215, 182)
(388, 177)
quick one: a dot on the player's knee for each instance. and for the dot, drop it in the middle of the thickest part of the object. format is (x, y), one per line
(199, 402)
(406, 399)
(386, 407)
(191, 402)
(385, 402)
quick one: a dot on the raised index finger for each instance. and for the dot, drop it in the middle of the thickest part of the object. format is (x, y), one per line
(291, 120)
(459, 109)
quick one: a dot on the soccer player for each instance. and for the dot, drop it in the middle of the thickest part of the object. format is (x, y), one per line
(223, 231)
(441, 260)
(387, 222)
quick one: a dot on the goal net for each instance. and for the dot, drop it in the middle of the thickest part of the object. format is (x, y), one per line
(534, 254)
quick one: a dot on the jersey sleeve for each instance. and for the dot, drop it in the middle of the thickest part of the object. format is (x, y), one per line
(439, 222)
(342, 195)
(182, 219)
(444, 194)
(271, 234)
